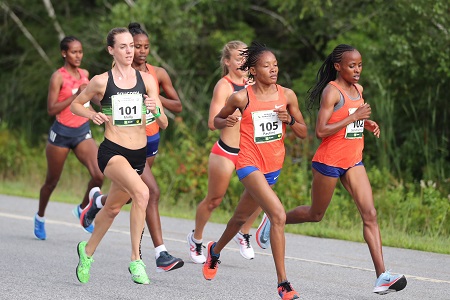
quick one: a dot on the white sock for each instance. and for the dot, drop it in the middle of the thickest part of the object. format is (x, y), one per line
(159, 249)
(197, 241)
(98, 201)
(79, 209)
(40, 219)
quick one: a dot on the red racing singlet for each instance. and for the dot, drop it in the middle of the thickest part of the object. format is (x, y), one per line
(69, 87)
(262, 134)
(344, 148)
(152, 127)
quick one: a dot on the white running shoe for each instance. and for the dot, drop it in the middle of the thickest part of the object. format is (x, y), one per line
(387, 283)
(243, 240)
(195, 250)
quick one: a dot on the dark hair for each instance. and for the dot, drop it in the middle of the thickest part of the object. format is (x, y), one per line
(327, 73)
(64, 44)
(111, 38)
(135, 29)
(226, 54)
(251, 55)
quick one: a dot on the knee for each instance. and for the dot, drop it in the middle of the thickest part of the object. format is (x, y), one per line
(111, 211)
(213, 203)
(278, 219)
(97, 179)
(154, 195)
(316, 217)
(369, 216)
(140, 198)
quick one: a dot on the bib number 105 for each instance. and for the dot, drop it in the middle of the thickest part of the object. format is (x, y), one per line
(269, 126)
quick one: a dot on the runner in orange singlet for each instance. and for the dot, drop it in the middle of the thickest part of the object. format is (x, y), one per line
(342, 118)
(266, 109)
(223, 157)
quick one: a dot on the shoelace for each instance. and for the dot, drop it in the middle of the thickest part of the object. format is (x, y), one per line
(214, 262)
(286, 286)
(198, 248)
(247, 239)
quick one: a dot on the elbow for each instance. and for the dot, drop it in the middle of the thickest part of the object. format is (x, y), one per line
(319, 134)
(178, 109)
(211, 125)
(51, 112)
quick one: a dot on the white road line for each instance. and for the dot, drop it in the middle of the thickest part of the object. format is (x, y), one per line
(68, 224)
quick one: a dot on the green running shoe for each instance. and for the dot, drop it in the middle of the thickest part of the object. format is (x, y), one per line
(138, 274)
(84, 263)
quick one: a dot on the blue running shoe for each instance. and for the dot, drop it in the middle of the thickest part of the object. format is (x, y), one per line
(263, 233)
(387, 283)
(39, 229)
(76, 213)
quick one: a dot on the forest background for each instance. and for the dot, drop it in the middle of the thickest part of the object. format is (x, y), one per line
(405, 49)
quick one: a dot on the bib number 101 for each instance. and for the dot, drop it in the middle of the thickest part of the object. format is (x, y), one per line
(127, 110)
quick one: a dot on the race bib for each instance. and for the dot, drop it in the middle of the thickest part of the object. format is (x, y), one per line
(267, 126)
(354, 130)
(127, 109)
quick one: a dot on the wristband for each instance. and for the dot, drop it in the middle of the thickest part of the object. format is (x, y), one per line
(292, 121)
(158, 114)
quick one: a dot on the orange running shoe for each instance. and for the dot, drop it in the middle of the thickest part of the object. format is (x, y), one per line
(212, 263)
(286, 291)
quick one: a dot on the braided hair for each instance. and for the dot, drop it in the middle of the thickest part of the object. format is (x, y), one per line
(135, 29)
(327, 73)
(251, 56)
(64, 44)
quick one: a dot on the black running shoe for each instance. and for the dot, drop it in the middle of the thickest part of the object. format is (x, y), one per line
(88, 214)
(167, 262)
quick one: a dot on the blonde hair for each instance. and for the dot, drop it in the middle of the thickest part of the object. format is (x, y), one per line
(226, 54)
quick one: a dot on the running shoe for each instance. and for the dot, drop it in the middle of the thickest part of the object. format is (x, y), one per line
(387, 283)
(212, 263)
(263, 233)
(77, 214)
(84, 263)
(39, 229)
(89, 212)
(195, 250)
(243, 240)
(286, 291)
(137, 271)
(166, 262)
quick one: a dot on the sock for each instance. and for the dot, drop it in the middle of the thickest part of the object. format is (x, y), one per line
(40, 219)
(159, 249)
(98, 201)
(212, 252)
(79, 209)
(197, 241)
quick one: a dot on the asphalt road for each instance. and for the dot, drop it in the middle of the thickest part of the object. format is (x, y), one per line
(317, 268)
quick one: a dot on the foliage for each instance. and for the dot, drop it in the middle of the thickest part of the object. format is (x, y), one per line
(405, 50)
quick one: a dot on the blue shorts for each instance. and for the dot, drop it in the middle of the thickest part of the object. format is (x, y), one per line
(331, 171)
(68, 137)
(271, 177)
(152, 145)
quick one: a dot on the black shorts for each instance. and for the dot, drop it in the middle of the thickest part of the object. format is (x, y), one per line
(67, 137)
(108, 149)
